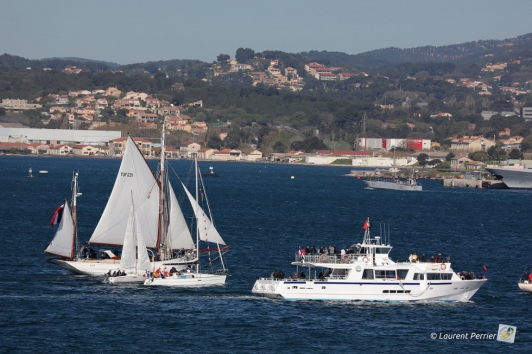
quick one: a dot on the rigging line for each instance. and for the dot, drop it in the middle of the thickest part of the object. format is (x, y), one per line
(524, 270)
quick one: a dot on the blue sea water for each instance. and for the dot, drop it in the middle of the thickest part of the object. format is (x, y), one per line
(265, 215)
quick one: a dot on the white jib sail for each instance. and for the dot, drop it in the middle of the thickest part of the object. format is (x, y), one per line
(61, 244)
(143, 260)
(178, 232)
(134, 175)
(129, 252)
(207, 231)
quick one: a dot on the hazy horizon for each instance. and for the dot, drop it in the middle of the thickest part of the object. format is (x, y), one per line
(139, 31)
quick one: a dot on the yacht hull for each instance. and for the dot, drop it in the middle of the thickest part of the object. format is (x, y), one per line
(100, 267)
(127, 279)
(344, 290)
(188, 280)
(392, 186)
(525, 287)
(513, 178)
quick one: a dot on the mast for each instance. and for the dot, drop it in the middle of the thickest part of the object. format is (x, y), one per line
(74, 217)
(161, 235)
(196, 211)
(212, 221)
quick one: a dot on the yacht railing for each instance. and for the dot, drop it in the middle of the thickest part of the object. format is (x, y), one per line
(329, 258)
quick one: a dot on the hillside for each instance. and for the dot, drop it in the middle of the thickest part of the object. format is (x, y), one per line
(464, 53)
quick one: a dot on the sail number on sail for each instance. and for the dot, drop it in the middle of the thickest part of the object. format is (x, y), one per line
(126, 174)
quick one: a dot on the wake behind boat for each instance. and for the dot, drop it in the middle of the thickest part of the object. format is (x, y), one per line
(366, 272)
(161, 222)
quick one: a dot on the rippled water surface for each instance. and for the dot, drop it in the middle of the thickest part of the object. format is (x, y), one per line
(265, 216)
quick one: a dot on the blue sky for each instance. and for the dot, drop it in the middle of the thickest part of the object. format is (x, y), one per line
(132, 31)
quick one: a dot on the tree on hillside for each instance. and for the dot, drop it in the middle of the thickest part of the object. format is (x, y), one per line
(214, 142)
(449, 156)
(422, 159)
(309, 144)
(222, 58)
(279, 147)
(243, 54)
(515, 154)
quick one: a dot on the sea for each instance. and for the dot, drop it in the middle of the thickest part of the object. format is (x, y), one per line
(265, 212)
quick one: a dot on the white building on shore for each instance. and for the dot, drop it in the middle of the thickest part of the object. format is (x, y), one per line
(58, 136)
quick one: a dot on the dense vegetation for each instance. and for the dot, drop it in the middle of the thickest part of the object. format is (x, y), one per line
(277, 119)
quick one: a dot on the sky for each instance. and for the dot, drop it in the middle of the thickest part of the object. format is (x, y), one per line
(133, 31)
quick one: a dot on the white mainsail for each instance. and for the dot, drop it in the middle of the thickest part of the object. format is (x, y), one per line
(178, 232)
(61, 244)
(134, 175)
(207, 231)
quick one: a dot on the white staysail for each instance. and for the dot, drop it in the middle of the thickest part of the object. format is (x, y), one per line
(133, 245)
(129, 252)
(178, 232)
(207, 231)
(134, 175)
(143, 260)
(61, 244)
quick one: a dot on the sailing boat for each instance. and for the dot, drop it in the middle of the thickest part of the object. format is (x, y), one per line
(525, 282)
(205, 231)
(62, 244)
(135, 260)
(161, 222)
(30, 175)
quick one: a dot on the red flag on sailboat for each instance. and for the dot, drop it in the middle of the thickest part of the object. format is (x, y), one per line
(56, 219)
(367, 225)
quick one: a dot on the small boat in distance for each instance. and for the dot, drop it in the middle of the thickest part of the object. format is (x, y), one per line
(397, 184)
(525, 282)
(211, 173)
(43, 171)
(30, 175)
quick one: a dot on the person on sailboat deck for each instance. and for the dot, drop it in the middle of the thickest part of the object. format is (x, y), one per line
(302, 275)
(423, 258)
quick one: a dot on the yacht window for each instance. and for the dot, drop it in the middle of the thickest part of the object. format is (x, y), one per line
(400, 291)
(419, 276)
(402, 273)
(390, 274)
(393, 291)
(407, 291)
(433, 276)
(446, 276)
(385, 291)
(368, 274)
(385, 274)
(379, 274)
